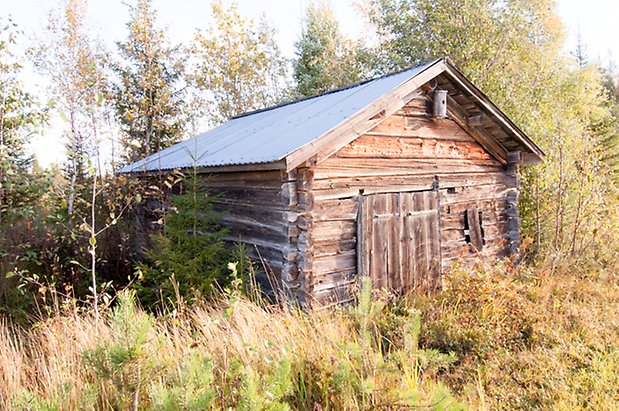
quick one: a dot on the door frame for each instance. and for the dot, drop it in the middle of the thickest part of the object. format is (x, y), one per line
(363, 265)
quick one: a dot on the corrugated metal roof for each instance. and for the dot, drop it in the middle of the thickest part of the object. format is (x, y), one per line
(270, 135)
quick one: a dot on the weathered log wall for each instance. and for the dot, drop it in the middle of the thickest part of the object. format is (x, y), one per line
(406, 152)
(255, 207)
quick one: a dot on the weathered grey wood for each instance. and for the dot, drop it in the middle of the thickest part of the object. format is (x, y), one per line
(401, 240)
(460, 116)
(474, 228)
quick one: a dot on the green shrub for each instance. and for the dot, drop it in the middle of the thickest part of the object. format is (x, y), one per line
(190, 250)
(128, 358)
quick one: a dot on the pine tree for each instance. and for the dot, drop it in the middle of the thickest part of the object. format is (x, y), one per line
(148, 96)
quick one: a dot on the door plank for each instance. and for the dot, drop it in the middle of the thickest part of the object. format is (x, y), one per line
(400, 240)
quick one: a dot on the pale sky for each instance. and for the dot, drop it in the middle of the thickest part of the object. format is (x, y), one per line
(596, 20)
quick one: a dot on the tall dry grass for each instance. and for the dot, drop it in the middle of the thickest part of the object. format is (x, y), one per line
(234, 354)
(496, 337)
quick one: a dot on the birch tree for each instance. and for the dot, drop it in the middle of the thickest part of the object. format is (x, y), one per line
(325, 58)
(238, 65)
(73, 62)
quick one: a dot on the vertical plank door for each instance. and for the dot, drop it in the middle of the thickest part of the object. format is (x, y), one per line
(399, 240)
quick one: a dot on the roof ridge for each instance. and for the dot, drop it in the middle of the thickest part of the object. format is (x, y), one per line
(337, 90)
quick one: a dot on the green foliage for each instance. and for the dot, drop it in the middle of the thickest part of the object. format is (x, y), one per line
(497, 314)
(529, 339)
(266, 390)
(21, 185)
(326, 59)
(148, 96)
(512, 51)
(238, 66)
(126, 358)
(190, 387)
(19, 117)
(189, 257)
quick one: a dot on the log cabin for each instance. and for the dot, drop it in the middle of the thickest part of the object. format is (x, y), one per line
(395, 178)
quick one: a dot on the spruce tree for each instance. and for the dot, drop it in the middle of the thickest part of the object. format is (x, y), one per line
(189, 251)
(148, 95)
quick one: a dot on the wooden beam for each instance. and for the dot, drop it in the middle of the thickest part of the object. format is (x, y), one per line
(464, 84)
(487, 141)
(363, 120)
(476, 121)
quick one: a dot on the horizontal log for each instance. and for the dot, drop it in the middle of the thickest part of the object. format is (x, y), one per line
(353, 191)
(332, 280)
(461, 180)
(455, 248)
(266, 215)
(265, 233)
(340, 294)
(257, 179)
(458, 205)
(257, 242)
(412, 148)
(403, 125)
(353, 167)
(493, 192)
(334, 263)
(334, 247)
(271, 198)
(333, 230)
(490, 231)
(337, 209)
(457, 223)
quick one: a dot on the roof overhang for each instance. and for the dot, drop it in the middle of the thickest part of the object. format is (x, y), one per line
(372, 115)
(534, 153)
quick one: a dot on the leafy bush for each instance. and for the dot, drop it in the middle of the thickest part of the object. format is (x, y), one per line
(526, 338)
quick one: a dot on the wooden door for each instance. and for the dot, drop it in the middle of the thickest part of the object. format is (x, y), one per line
(399, 240)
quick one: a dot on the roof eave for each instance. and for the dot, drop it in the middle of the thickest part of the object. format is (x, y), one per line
(266, 166)
(534, 154)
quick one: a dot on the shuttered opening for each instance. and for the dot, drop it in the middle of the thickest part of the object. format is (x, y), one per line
(473, 231)
(399, 240)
